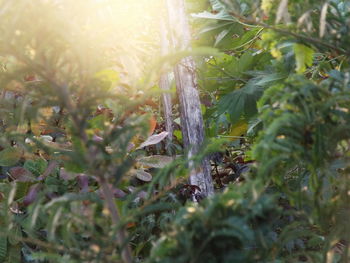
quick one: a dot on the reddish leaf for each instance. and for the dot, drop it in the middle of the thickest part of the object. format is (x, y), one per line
(130, 224)
(96, 138)
(118, 193)
(152, 124)
(51, 166)
(29, 77)
(83, 182)
(32, 194)
(21, 174)
(142, 194)
(66, 176)
(130, 146)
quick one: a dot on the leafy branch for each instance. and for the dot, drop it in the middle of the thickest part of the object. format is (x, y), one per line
(313, 40)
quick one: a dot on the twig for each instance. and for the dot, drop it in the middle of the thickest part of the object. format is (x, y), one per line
(67, 102)
(126, 251)
(286, 32)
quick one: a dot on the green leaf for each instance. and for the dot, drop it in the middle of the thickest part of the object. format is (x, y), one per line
(36, 167)
(22, 189)
(217, 5)
(240, 102)
(98, 122)
(219, 16)
(108, 75)
(14, 254)
(303, 56)
(236, 108)
(221, 36)
(214, 27)
(73, 166)
(268, 79)
(178, 134)
(15, 232)
(244, 39)
(3, 247)
(79, 147)
(10, 156)
(246, 61)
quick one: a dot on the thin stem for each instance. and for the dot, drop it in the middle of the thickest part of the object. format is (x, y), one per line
(67, 102)
(121, 237)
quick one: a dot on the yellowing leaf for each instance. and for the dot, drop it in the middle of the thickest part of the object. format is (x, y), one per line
(46, 112)
(178, 134)
(15, 86)
(109, 76)
(40, 126)
(240, 128)
(303, 56)
(266, 5)
(276, 53)
(268, 35)
(10, 156)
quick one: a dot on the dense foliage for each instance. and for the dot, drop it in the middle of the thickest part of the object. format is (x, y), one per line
(85, 175)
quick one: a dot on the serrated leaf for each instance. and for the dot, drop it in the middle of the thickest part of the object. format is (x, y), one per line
(154, 139)
(10, 156)
(245, 62)
(244, 39)
(268, 79)
(233, 103)
(52, 166)
(36, 167)
(303, 56)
